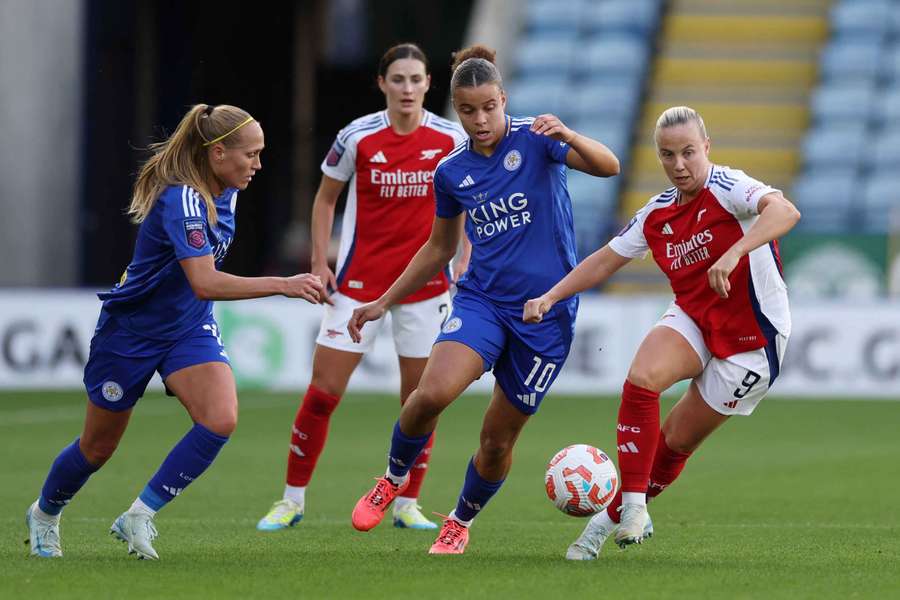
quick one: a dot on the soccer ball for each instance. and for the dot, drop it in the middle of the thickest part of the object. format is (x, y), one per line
(581, 480)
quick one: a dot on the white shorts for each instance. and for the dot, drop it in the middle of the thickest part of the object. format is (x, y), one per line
(415, 325)
(733, 385)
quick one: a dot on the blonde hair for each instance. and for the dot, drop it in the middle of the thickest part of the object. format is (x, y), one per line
(182, 159)
(679, 115)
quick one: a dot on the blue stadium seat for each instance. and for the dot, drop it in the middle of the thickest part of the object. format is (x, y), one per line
(885, 150)
(855, 58)
(629, 16)
(613, 54)
(533, 96)
(864, 18)
(613, 97)
(839, 100)
(890, 62)
(839, 143)
(542, 54)
(825, 198)
(887, 106)
(614, 133)
(554, 16)
(880, 205)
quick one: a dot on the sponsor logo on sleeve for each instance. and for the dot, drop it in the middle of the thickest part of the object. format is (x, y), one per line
(195, 233)
(751, 191)
(335, 154)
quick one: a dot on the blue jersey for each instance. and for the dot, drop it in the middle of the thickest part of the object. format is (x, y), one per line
(518, 213)
(154, 298)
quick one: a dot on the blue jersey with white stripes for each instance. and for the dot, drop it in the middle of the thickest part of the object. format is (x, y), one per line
(154, 298)
(518, 213)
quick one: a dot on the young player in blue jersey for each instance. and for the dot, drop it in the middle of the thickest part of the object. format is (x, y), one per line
(507, 185)
(159, 318)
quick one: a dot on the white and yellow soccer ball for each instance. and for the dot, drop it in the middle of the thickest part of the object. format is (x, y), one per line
(581, 480)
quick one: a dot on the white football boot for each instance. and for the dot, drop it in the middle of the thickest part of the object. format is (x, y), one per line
(595, 534)
(137, 530)
(633, 519)
(43, 534)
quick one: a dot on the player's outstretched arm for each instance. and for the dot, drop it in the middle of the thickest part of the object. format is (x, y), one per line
(427, 262)
(590, 272)
(777, 216)
(585, 154)
(210, 284)
(320, 229)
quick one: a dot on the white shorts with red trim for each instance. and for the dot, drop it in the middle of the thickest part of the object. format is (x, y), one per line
(415, 325)
(732, 385)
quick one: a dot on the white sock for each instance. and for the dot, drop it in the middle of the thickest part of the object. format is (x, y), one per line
(139, 506)
(453, 516)
(296, 494)
(37, 513)
(402, 502)
(634, 498)
(398, 481)
(602, 518)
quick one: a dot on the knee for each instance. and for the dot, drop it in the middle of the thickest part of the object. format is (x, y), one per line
(427, 400)
(320, 402)
(97, 450)
(676, 440)
(495, 448)
(648, 377)
(223, 423)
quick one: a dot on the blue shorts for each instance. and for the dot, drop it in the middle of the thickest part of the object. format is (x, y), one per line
(525, 357)
(121, 363)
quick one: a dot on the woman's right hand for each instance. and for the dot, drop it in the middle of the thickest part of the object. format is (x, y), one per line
(306, 286)
(536, 308)
(362, 315)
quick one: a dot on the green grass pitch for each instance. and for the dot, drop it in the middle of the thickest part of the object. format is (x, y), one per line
(797, 501)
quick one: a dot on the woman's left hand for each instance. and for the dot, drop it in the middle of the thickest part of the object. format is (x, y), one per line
(719, 272)
(551, 125)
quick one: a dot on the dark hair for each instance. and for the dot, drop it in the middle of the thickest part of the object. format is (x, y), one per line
(474, 66)
(405, 50)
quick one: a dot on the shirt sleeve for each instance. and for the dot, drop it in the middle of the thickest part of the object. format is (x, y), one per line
(630, 242)
(446, 206)
(185, 221)
(737, 192)
(556, 150)
(340, 162)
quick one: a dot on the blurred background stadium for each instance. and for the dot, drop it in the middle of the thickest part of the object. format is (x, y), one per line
(802, 94)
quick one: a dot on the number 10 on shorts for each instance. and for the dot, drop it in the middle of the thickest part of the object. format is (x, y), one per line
(546, 370)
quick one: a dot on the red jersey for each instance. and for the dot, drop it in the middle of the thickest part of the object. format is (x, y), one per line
(390, 200)
(686, 240)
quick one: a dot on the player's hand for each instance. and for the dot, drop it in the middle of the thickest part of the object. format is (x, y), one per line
(460, 266)
(552, 126)
(329, 281)
(719, 272)
(362, 315)
(536, 308)
(306, 286)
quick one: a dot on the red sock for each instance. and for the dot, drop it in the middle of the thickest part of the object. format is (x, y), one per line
(613, 509)
(418, 471)
(309, 434)
(667, 466)
(636, 436)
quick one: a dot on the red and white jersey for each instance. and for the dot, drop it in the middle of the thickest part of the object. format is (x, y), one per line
(686, 240)
(390, 200)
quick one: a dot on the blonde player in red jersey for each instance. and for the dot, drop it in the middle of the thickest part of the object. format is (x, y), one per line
(714, 236)
(387, 159)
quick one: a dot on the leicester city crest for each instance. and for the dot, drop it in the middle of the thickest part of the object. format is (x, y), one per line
(112, 391)
(452, 325)
(512, 160)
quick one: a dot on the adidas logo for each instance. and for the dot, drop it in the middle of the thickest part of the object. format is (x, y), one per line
(628, 448)
(378, 158)
(296, 450)
(731, 404)
(527, 399)
(467, 182)
(172, 490)
(667, 229)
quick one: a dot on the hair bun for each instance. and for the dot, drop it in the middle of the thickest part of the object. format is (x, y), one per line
(476, 51)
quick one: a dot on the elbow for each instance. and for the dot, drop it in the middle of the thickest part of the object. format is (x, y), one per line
(202, 293)
(614, 167)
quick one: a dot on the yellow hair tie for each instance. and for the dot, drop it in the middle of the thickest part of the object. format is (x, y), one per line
(225, 135)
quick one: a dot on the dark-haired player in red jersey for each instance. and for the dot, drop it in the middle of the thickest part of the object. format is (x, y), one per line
(387, 159)
(714, 236)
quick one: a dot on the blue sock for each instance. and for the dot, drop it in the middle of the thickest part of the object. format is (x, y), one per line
(475, 494)
(404, 451)
(68, 473)
(186, 462)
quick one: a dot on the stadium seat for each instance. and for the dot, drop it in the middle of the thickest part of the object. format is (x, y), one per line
(554, 16)
(887, 106)
(880, 206)
(538, 95)
(825, 197)
(885, 150)
(840, 100)
(851, 59)
(613, 132)
(613, 54)
(611, 97)
(542, 54)
(835, 143)
(890, 62)
(862, 18)
(628, 16)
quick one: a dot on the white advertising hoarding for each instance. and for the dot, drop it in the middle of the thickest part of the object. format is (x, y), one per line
(836, 349)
